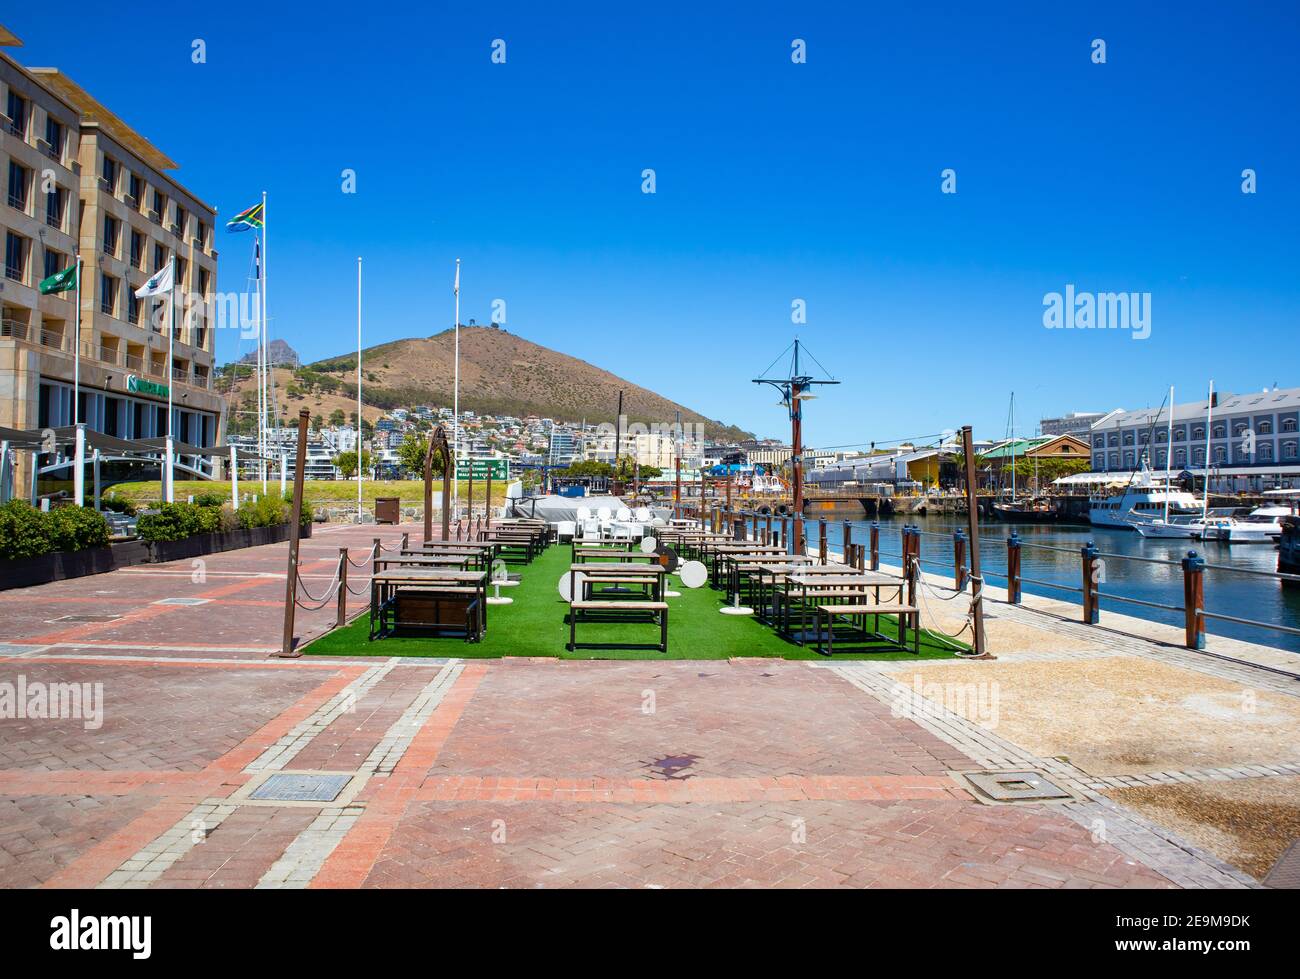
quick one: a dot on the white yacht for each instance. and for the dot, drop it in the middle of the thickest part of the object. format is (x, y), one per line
(1189, 526)
(1141, 499)
(1263, 525)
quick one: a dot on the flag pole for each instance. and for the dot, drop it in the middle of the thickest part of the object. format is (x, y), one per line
(359, 389)
(455, 410)
(76, 355)
(169, 491)
(266, 351)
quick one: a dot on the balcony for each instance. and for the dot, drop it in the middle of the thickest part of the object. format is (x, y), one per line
(13, 128)
(18, 201)
(12, 329)
(134, 362)
(55, 153)
(15, 273)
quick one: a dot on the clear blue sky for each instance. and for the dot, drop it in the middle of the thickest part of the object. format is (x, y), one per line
(775, 181)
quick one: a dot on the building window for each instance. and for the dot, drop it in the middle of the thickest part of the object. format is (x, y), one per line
(1198, 456)
(201, 237)
(112, 228)
(107, 294)
(1220, 456)
(1266, 452)
(1220, 431)
(1128, 438)
(1265, 427)
(203, 283)
(20, 181)
(1180, 457)
(1198, 432)
(56, 203)
(55, 262)
(159, 257)
(53, 137)
(159, 206)
(135, 190)
(132, 307)
(1288, 424)
(137, 249)
(18, 111)
(15, 257)
(1288, 450)
(109, 173)
(178, 228)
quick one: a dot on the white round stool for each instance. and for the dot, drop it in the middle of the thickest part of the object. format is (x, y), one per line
(498, 598)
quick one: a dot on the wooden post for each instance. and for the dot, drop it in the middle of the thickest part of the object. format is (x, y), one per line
(1013, 569)
(821, 540)
(1091, 571)
(959, 559)
(848, 542)
(1194, 599)
(406, 540)
(875, 545)
(374, 561)
(973, 521)
(342, 616)
(291, 578)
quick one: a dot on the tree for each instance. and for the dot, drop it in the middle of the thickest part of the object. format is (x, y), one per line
(589, 467)
(346, 463)
(317, 422)
(336, 417)
(411, 452)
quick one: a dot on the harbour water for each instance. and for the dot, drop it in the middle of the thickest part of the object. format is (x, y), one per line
(1242, 595)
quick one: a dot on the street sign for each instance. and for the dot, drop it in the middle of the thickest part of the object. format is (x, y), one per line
(500, 468)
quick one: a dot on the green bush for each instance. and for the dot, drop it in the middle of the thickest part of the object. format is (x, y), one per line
(173, 521)
(266, 512)
(211, 499)
(24, 531)
(117, 504)
(28, 532)
(74, 528)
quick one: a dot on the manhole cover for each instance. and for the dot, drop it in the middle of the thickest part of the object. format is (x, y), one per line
(673, 766)
(86, 617)
(1026, 786)
(1286, 872)
(183, 601)
(284, 787)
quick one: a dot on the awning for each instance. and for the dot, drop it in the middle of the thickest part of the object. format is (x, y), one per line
(1293, 470)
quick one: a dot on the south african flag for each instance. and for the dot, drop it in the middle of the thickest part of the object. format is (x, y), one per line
(244, 220)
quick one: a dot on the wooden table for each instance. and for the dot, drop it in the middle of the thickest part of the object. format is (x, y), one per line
(386, 583)
(595, 572)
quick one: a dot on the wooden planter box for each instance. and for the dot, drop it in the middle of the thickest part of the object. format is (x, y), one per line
(96, 560)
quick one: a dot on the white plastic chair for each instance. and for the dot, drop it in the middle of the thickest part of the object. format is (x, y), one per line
(591, 530)
(565, 529)
(603, 514)
(643, 514)
(623, 514)
(584, 513)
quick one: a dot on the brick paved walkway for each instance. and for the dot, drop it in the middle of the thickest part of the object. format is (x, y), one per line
(514, 773)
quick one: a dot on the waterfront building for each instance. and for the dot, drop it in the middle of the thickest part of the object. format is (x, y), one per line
(1254, 440)
(1075, 423)
(78, 178)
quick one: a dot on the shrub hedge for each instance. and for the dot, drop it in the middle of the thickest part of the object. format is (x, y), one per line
(28, 532)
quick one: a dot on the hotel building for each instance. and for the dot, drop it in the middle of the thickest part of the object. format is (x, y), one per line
(1254, 439)
(80, 179)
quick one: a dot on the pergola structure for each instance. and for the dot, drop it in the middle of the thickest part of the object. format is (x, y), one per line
(438, 446)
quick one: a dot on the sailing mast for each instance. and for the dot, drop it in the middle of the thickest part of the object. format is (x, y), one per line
(1209, 418)
(1169, 450)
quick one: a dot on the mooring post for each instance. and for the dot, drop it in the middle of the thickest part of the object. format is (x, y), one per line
(342, 616)
(912, 568)
(1013, 569)
(1194, 599)
(821, 541)
(875, 546)
(406, 540)
(848, 541)
(291, 578)
(374, 561)
(973, 526)
(959, 559)
(1091, 571)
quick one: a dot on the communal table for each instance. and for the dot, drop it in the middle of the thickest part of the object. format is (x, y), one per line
(606, 572)
(795, 587)
(385, 584)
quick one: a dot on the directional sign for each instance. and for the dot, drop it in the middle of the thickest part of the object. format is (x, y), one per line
(500, 468)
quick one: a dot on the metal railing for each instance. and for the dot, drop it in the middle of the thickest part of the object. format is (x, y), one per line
(1092, 562)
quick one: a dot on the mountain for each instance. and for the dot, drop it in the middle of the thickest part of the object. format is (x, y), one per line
(501, 373)
(278, 352)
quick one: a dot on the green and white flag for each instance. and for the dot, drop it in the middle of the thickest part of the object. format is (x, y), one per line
(60, 281)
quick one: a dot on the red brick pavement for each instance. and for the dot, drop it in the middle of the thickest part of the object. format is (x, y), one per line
(526, 774)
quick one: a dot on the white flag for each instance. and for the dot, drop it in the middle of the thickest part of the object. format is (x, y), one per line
(456, 285)
(158, 284)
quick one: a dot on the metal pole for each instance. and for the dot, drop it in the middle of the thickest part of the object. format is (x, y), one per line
(973, 520)
(455, 398)
(98, 481)
(234, 478)
(79, 466)
(169, 490)
(359, 416)
(488, 506)
(76, 354)
(291, 578)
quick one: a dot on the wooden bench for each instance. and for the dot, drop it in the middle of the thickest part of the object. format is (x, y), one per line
(860, 610)
(433, 610)
(649, 584)
(619, 611)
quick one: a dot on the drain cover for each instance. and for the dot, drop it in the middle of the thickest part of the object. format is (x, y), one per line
(183, 601)
(284, 787)
(1286, 872)
(1026, 786)
(86, 617)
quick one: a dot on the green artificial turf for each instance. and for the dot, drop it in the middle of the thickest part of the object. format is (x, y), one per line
(536, 625)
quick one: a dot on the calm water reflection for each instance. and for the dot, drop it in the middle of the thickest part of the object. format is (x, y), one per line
(1246, 596)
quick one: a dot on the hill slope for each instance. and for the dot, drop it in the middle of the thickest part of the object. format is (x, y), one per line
(501, 373)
